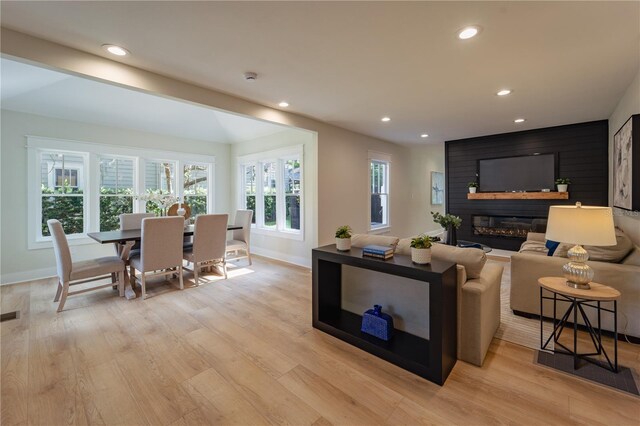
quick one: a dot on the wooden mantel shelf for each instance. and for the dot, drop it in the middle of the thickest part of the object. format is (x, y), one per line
(518, 196)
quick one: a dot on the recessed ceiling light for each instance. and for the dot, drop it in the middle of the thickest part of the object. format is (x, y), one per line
(385, 119)
(519, 120)
(468, 32)
(424, 135)
(283, 104)
(504, 92)
(115, 50)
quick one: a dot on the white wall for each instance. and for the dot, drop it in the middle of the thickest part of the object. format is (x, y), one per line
(18, 263)
(422, 161)
(298, 252)
(628, 106)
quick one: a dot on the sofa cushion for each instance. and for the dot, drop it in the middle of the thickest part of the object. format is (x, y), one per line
(404, 246)
(552, 246)
(533, 247)
(361, 240)
(472, 259)
(632, 258)
(613, 254)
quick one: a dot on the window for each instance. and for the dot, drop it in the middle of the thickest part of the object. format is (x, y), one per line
(271, 185)
(116, 190)
(249, 184)
(62, 194)
(159, 178)
(196, 187)
(269, 194)
(379, 189)
(87, 186)
(291, 181)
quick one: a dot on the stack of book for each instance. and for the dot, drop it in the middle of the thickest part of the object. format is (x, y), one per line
(379, 252)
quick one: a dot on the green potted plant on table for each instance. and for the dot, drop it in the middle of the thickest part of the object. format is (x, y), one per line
(450, 223)
(473, 187)
(421, 249)
(563, 184)
(343, 238)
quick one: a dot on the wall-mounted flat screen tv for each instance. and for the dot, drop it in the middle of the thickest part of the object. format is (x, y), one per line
(522, 173)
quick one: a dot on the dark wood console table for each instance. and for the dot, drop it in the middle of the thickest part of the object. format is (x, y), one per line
(432, 359)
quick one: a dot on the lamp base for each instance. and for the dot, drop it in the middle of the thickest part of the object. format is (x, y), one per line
(577, 272)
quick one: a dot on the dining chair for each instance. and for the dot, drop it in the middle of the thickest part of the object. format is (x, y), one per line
(209, 243)
(160, 250)
(74, 273)
(240, 237)
(132, 221)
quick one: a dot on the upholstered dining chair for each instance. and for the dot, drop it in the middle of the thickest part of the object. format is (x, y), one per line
(209, 243)
(73, 273)
(160, 250)
(132, 221)
(241, 237)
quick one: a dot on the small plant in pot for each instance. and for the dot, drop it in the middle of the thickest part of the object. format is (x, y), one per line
(421, 249)
(563, 184)
(450, 223)
(343, 238)
(473, 187)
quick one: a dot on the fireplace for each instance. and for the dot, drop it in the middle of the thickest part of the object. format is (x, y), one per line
(507, 226)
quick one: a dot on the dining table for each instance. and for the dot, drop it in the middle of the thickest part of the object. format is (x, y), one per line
(124, 240)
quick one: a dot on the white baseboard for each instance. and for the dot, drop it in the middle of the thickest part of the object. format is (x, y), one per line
(271, 254)
(30, 275)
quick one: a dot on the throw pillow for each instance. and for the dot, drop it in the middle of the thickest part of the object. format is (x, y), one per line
(551, 246)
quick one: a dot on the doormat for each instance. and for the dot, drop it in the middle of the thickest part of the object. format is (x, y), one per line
(623, 380)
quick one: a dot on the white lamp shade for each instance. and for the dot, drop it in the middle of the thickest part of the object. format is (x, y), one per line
(584, 225)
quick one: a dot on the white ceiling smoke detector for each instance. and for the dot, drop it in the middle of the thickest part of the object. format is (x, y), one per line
(250, 76)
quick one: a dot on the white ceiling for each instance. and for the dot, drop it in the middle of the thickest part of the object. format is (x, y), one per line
(34, 90)
(350, 63)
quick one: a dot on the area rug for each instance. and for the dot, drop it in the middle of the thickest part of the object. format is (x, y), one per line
(513, 328)
(623, 380)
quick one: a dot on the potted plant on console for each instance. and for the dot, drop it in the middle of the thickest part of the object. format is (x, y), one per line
(421, 249)
(473, 187)
(563, 184)
(450, 223)
(343, 238)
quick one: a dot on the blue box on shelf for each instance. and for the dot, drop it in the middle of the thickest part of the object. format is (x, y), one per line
(377, 323)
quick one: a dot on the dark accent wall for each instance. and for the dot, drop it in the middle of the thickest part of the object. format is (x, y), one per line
(582, 151)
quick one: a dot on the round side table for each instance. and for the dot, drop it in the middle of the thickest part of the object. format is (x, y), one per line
(579, 300)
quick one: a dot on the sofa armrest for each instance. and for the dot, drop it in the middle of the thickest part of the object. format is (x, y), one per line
(536, 236)
(525, 292)
(479, 314)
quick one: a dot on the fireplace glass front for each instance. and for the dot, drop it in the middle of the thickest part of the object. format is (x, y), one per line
(507, 226)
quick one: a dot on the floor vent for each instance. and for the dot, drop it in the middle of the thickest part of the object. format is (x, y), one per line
(9, 316)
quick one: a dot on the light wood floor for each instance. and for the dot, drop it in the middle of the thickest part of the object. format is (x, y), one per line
(242, 351)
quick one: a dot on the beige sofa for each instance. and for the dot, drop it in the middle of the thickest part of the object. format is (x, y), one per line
(617, 266)
(478, 292)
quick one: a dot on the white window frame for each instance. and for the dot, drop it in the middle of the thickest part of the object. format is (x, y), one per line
(91, 152)
(278, 156)
(383, 158)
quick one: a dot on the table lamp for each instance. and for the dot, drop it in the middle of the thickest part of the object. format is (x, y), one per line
(580, 225)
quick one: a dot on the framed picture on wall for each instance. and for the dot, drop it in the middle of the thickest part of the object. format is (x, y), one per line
(437, 188)
(626, 165)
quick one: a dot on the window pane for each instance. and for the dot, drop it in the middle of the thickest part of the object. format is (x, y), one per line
(61, 173)
(196, 187)
(67, 209)
(116, 175)
(379, 193)
(111, 207)
(160, 177)
(269, 185)
(249, 182)
(292, 194)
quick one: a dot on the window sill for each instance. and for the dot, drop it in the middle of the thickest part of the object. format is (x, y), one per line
(47, 244)
(298, 235)
(380, 230)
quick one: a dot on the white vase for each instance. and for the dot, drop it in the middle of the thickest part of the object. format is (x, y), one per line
(343, 244)
(562, 187)
(472, 189)
(420, 256)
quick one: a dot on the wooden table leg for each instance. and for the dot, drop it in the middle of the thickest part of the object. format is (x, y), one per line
(124, 249)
